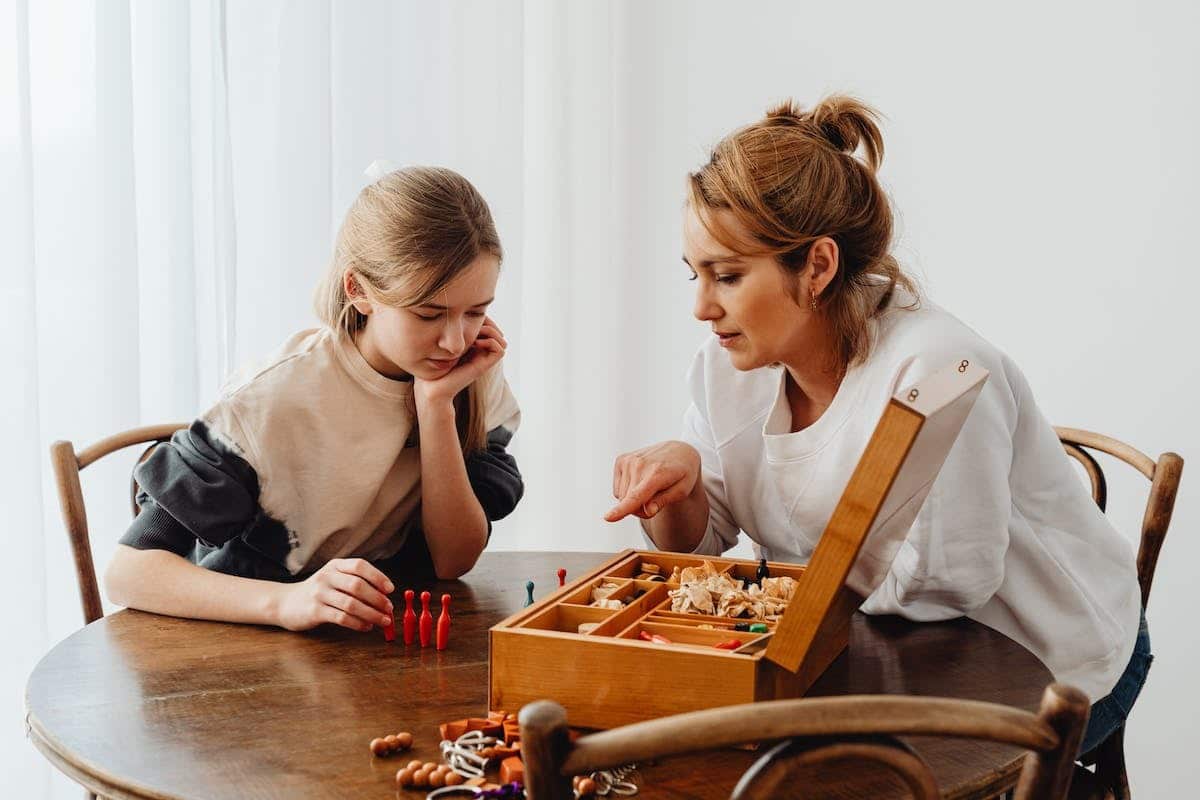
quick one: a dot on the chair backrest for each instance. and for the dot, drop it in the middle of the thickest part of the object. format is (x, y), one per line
(67, 464)
(1164, 476)
(818, 731)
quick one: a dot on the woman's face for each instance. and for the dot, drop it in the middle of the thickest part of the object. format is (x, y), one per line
(749, 302)
(427, 341)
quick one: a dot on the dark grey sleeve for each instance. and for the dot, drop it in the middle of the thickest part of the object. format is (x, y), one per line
(193, 488)
(494, 476)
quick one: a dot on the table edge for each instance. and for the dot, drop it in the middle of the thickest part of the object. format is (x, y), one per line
(91, 778)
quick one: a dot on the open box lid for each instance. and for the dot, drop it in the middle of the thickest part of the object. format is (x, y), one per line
(886, 490)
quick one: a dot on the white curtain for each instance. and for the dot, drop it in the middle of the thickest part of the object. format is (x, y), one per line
(174, 171)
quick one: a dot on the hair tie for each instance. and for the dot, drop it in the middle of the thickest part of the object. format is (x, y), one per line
(378, 168)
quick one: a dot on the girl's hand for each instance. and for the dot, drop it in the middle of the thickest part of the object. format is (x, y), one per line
(347, 591)
(482, 355)
(648, 480)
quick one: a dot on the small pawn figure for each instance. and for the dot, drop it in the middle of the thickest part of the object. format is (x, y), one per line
(443, 624)
(562, 577)
(410, 617)
(763, 572)
(529, 590)
(389, 630)
(426, 620)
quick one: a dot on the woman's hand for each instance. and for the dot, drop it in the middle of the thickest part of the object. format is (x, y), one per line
(347, 591)
(482, 355)
(648, 480)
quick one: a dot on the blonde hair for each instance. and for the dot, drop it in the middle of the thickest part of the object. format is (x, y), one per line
(406, 237)
(792, 178)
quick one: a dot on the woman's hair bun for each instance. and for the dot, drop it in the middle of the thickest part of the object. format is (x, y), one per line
(843, 122)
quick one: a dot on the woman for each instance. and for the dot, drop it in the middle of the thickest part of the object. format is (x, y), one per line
(815, 326)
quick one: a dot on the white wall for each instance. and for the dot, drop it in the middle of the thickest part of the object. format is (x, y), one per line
(1041, 158)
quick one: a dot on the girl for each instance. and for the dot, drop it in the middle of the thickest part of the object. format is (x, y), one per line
(380, 435)
(787, 235)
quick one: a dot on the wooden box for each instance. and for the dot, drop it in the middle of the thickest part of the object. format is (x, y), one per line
(609, 676)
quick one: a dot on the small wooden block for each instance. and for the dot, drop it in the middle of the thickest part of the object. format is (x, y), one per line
(503, 752)
(453, 730)
(499, 752)
(512, 732)
(512, 769)
(497, 716)
(475, 782)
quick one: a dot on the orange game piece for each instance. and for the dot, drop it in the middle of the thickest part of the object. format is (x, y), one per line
(391, 744)
(512, 769)
(488, 726)
(443, 624)
(502, 752)
(452, 730)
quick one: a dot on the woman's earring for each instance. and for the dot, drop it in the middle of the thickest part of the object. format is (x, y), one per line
(813, 300)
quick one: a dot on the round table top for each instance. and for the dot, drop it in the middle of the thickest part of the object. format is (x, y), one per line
(147, 706)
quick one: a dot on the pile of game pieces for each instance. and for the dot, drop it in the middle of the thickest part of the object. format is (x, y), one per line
(474, 745)
(707, 590)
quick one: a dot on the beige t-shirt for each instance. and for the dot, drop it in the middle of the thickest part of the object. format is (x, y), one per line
(312, 456)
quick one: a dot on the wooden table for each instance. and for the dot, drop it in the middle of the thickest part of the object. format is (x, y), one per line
(140, 705)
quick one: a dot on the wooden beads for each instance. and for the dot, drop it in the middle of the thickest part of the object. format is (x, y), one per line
(391, 744)
(584, 786)
(418, 775)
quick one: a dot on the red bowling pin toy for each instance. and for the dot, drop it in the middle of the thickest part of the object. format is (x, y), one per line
(426, 620)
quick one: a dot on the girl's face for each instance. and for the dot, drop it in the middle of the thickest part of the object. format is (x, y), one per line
(760, 315)
(427, 341)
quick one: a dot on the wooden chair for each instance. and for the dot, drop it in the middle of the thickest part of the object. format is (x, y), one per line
(1110, 778)
(815, 731)
(67, 464)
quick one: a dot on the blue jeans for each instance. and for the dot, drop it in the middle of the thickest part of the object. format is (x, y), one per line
(1109, 712)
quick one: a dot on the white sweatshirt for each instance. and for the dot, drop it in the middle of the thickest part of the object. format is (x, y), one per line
(1008, 535)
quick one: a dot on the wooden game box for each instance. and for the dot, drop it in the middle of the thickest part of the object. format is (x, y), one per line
(610, 676)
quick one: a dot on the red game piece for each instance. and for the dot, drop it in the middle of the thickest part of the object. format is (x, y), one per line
(426, 620)
(562, 576)
(389, 630)
(410, 618)
(443, 626)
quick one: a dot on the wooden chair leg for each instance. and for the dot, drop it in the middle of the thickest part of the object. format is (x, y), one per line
(1110, 764)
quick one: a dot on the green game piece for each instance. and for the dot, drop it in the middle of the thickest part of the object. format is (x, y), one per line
(758, 627)
(529, 589)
